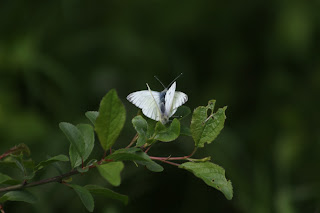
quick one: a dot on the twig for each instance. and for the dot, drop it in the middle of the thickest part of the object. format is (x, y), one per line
(174, 158)
(132, 141)
(41, 182)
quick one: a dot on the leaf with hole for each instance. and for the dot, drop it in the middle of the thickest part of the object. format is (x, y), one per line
(204, 128)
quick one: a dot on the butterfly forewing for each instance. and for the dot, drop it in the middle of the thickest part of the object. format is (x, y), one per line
(169, 98)
(178, 99)
(144, 100)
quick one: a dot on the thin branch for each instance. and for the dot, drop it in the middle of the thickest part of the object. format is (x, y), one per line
(41, 182)
(174, 158)
(171, 163)
(14, 149)
(132, 141)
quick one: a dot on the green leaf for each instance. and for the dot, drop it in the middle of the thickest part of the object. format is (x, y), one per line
(111, 119)
(151, 165)
(132, 154)
(166, 134)
(42, 164)
(4, 178)
(111, 172)
(107, 193)
(141, 126)
(24, 196)
(88, 138)
(204, 128)
(212, 174)
(85, 196)
(135, 154)
(182, 112)
(184, 130)
(92, 116)
(74, 136)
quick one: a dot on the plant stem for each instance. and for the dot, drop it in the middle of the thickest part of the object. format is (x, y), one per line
(171, 163)
(10, 151)
(132, 141)
(41, 182)
(174, 158)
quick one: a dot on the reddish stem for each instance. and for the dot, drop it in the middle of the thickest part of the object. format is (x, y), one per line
(171, 163)
(173, 158)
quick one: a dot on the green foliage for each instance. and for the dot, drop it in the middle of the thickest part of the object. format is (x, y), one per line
(204, 128)
(92, 116)
(54, 159)
(85, 196)
(151, 165)
(182, 112)
(24, 196)
(110, 120)
(130, 154)
(135, 154)
(141, 126)
(88, 139)
(167, 134)
(111, 172)
(108, 123)
(4, 178)
(211, 174)
(74, 136)
(107, 193)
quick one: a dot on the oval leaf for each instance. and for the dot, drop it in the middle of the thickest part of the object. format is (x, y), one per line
(74, 136)
(182, 112)
(85, 196)
(24, 196)
(141, 126)
(167, 134)
(88, 138)
(107, 193)
(111, 119)
(111, 172)
(212, 174)
(92, 116)
(54, 159)
(132, 154)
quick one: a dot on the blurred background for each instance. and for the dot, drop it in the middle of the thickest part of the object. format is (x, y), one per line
(261, 59)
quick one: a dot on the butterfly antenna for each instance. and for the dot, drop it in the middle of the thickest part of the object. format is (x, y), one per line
(175, 79)
(160, 82)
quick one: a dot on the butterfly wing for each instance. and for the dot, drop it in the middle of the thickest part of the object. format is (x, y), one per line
(169, 98)
(146, 100)
(178, 99)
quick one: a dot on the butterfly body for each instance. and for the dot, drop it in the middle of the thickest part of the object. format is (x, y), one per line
(159, 106)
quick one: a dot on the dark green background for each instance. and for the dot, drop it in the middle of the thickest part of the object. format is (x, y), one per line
(260, 58)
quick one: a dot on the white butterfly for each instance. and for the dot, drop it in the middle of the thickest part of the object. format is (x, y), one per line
(159, 106)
